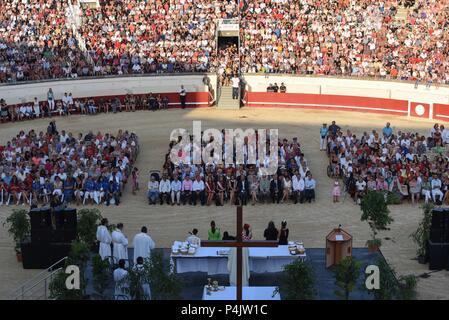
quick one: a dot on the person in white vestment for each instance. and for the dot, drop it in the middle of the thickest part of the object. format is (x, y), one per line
(121, 285)
(138, 267)
(120, 243)
(143, 244)
(105, 239)
(193, 238)
(232, 267)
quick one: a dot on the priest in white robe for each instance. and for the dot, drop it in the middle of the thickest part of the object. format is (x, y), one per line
(143, 244)
(121, 282)
(120, 243)
(232, 267)
(105, 239)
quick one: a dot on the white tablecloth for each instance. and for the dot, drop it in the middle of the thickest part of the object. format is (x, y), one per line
(248, 293)
(261, 260)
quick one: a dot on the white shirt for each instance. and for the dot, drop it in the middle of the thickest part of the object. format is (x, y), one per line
(176, 185)
(361, 185)
(298, 183)
(164, 186)
(310, 183)
(198, 185)
(436, 184)
(235, 82)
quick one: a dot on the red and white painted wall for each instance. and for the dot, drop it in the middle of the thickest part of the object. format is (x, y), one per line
(384, 97)
(198, 94)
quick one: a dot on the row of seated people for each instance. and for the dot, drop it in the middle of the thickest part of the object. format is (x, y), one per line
(38, 167)
(183, 182)
(68, 105)
(218, 189)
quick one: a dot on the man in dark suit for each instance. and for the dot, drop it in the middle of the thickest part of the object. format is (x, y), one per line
(242, 189)
(276, 188)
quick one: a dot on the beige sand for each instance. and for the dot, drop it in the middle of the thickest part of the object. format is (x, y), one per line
(308, 222)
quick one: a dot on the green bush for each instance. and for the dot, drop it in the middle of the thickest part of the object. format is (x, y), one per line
(18, 226)
(375, 211)
(59, 291)
(101, 274)
(164, 284)
(422, 233)
(88, 221)
(390, 287)
(347, 272)
(298, 281)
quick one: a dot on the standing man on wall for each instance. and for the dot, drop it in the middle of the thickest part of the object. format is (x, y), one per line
(182, 97)
(235, 86)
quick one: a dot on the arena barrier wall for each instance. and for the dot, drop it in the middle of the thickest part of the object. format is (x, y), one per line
(197, 92)
(384, 97)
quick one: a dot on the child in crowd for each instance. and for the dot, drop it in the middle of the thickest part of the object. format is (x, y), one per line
(135, 179)
(336, 191)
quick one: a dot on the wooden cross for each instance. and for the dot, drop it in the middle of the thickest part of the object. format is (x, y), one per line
(239, 244)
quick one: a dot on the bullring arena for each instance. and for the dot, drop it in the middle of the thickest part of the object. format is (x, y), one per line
(307, 222)
(119, 76)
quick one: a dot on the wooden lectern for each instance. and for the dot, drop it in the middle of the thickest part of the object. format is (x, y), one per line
(338, 246)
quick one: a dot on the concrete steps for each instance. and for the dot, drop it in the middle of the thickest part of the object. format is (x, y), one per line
(225, 100)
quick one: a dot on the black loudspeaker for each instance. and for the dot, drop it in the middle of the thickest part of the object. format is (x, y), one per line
(59, 251)
(438, 255)
(36, 256)
(66, 222)
(41, 236)
(65, 219)
(439, 230)
(40, 218)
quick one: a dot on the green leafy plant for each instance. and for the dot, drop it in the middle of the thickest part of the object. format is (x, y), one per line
(407, 287)
(393, 198)
(59, 291)
(164, 284)
(298, 281)
(375, 211)
(347, 272)
(422, 233)
(390, 286)
(18, 226)
(88, 220)
(101, 275)
(78, 256)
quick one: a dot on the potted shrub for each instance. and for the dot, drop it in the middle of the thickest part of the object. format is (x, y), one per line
(18, 225)
(298, 281)
(422, 234)
(374, 244)
(101, 275)
(347, 272)
(375, 210)
(88, 221)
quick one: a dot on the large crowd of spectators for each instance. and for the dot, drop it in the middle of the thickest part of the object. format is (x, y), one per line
(134, 37)
(36, 42)
(347, 37)
(235, 183)
(336, 37)
(407, 164)
(52, 167)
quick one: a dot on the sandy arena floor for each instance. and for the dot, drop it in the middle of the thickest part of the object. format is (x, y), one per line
(307, 222)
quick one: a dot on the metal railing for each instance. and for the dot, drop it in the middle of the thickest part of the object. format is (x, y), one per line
(37, 287)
